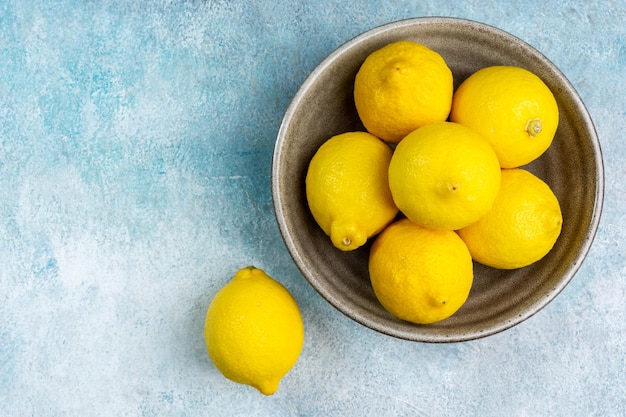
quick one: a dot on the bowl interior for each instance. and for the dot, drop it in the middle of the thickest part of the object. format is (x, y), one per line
(324, 107)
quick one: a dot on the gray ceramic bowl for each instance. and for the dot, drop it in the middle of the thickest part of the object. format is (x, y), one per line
(323, 107)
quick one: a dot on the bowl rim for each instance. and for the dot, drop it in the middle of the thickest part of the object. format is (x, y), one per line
(365, 321)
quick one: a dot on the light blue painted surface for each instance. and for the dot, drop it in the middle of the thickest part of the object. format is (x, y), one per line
(136, 142)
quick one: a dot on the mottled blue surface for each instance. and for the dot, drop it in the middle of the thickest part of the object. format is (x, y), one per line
(136, 142)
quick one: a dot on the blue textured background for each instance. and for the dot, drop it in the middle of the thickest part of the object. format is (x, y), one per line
(136, 142)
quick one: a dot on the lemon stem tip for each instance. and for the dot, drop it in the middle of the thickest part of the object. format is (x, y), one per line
(533, 127)
(267, 387)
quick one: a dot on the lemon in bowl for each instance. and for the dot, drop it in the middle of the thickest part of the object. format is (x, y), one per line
(571, 166)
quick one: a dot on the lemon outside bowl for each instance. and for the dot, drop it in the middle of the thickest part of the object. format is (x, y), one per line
(499, 299)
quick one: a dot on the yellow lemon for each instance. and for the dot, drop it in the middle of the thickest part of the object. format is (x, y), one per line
(512, 108)
(444, 176)
(253, 330)
(522, 226)
(400, 87)
(347, 188)
(420, 275)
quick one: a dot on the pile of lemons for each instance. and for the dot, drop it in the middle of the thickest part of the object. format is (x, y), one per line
(436, 178)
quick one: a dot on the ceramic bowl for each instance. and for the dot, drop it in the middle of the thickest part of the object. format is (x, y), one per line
(323, 106)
